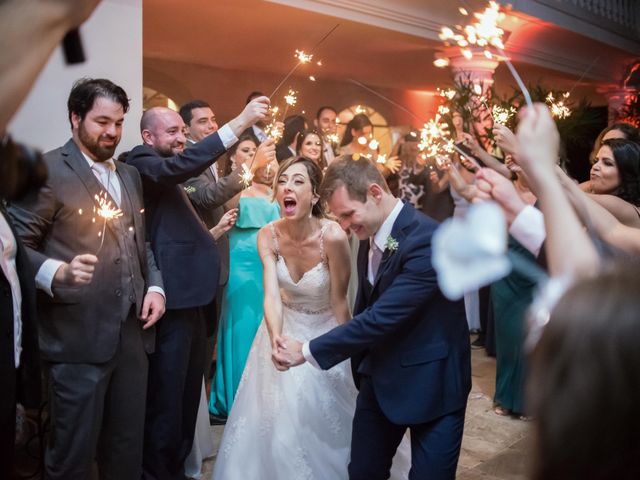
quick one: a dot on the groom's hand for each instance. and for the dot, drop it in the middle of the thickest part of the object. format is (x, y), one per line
(290, 352)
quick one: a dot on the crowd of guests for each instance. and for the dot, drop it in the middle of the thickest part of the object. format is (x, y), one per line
(128, 311)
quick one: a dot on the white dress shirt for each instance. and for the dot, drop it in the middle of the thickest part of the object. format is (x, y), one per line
(8, 251)
(380, 239)
(528, 229)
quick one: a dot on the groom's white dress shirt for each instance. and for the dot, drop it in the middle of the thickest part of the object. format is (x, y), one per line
(380, 241)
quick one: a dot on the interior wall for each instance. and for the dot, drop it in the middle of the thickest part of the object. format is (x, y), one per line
(227, 90)
(115, 28)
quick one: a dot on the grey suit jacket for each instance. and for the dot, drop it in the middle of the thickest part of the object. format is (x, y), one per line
(208, 197)
(82, 324)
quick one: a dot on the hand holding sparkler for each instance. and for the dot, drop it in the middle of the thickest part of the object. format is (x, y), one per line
(256, 110)
(505, 139)
(265, 154)
(76, 273)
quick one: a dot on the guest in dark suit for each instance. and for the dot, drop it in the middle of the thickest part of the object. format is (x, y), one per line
(187, 252)
(409, 346)
(293, 126)
(95, 309)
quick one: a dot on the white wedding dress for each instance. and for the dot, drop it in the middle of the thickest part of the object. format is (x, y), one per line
(294, 425)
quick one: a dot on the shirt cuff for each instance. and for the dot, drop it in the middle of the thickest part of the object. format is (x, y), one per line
(44, 277)
(227, 136)
(528, 229)
(157, 290)
(306, 353)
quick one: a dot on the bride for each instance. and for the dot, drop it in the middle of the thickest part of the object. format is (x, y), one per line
(296, 424)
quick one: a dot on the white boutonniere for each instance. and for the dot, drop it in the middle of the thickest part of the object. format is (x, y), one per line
(391, 244)
(189, 189)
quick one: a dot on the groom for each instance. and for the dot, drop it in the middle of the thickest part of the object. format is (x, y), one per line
(409, 346)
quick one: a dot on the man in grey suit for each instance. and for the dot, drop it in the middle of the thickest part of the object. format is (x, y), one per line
(209, 191)
(100, 292)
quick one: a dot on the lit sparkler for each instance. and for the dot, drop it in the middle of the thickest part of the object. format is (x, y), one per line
(502, 115)
(107, 211)
(247, 176)
(435, 138)
(303, 57)
(558, 108)
(291, 98)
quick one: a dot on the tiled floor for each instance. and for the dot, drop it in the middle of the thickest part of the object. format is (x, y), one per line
(493, 447)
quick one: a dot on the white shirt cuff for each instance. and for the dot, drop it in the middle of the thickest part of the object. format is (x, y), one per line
(528, 229)
(227, 136)
(306, 353)
(44, 277)
(157, 290)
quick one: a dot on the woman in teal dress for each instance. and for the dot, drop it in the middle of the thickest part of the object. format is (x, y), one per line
(241, 311)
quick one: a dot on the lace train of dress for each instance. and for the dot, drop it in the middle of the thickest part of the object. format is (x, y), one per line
(294, 425)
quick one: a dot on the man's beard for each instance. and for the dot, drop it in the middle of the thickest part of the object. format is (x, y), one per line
(100, 152)
(168, 151)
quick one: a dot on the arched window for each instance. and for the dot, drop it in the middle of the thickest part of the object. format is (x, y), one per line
(152, 98)
(381, 130)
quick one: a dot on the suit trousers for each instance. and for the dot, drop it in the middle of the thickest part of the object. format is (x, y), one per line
(97, 412)
(175, 381)
(435, 445)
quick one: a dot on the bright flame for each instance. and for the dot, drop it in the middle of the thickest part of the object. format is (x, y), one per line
(434, 138)
(362, 140)
(441, 62)
(502, 115)
(381, 159)
(247, 177)
(373, 144)
(291, 98)
(312, 78)
(558, 108)
(105, 208)
(360, 109)
(303, 57)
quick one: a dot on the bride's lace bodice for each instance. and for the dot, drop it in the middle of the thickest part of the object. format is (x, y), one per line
(312, 293)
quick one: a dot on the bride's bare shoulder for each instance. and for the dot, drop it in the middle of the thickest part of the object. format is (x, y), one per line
(334, 234)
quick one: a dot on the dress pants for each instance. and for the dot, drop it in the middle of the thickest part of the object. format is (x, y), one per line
(435, 445)
(175, 380)
(97, 412)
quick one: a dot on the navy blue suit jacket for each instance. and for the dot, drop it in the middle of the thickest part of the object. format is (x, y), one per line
(405, 335)
(184, 249)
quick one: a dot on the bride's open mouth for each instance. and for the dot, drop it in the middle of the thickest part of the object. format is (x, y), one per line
(289, 205)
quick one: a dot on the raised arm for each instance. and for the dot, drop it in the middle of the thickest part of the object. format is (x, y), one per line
(569, 249)
(338, 254)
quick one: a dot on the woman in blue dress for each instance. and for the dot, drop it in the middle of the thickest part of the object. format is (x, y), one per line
(241, 311)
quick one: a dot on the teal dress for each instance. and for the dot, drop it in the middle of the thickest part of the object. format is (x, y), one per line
(511, 297)
(241, 311)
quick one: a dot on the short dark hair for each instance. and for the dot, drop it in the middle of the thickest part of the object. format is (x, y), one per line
(315, 176)
(356, 173)
(186, 110)
(85, 91)
(293, 125)
(322, 109)
(254, 94)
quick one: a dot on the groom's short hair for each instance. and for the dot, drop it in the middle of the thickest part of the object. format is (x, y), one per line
(356, 174)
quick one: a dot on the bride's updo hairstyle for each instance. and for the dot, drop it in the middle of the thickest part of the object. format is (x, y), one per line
(315, 177)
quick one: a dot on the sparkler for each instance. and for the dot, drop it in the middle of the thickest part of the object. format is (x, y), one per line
(291, 98)
(558, 108)
(484, 33)
(434, 138)
(247, 176)
(107, 211)
(303, 58)
(502, 115)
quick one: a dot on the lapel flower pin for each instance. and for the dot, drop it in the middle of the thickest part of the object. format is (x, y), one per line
(189, 189)
(391, 244)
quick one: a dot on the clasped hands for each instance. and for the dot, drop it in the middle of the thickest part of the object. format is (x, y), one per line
(286, 353)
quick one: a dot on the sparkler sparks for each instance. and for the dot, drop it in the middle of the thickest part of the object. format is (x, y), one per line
(558, 108)
(303, 57)
(247, 176)
(484, 32)
(291, 98)
(434, 138)
(107, 211)
(502, 115)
